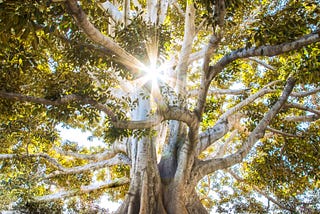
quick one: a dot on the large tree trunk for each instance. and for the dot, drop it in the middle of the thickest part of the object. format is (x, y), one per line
(151, 193)
(153, 187)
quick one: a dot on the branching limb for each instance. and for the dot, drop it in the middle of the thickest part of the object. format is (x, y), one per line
(205, 167)
(83, 189)
(258, 190)
(116, 160)
(60, 101)
(61, 170)
(170, 113)
(96, 36)
(268, 50)
(265, 90)
(221, 128)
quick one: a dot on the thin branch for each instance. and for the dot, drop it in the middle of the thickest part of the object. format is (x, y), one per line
(276, 131)
(265, 90)
(96, 36)
(307, 118)
(217, 91)
(116, 160)
(302, 107)
(223, 148)
(61, 170)
(257, 189)
(67, 99)
(107, 154)
(180, 11)
(264, 64)
(304, 94)
(137, 4)
(51, 160)
(196, 56)
(83, 189)
(126, 12)
(205, 167)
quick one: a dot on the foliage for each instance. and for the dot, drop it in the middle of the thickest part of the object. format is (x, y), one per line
(45, 54)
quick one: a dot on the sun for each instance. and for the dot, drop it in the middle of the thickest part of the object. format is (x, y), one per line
(153, 73)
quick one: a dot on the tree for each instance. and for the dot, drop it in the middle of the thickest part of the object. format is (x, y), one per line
(188, 96)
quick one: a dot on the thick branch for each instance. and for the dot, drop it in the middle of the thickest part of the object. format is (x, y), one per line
(116, 15)
(61, 170)
(189, 33)
(213, 43)
(82, 190)
(140, 124)
(96, 36)
(206, 167)
(220, 11)
(269, 50)
(211, 135)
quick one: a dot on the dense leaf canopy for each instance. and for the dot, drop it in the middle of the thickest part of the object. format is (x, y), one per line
(56, 71)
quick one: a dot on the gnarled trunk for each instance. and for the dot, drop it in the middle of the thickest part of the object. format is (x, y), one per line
(154, 187)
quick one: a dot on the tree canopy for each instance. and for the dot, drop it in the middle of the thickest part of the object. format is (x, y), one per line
(201, 105)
